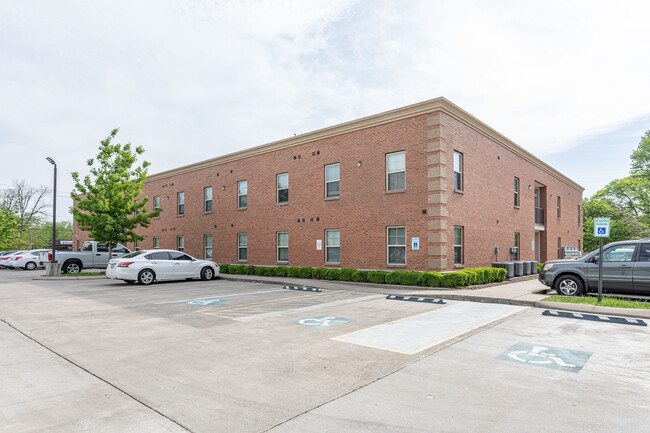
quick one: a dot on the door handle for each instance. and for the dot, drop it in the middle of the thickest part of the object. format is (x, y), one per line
(98, 254)
(154, 263)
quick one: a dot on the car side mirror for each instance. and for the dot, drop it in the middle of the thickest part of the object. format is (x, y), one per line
(595, 259)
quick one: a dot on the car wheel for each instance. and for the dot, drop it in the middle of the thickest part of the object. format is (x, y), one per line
(30, 266)
(207, 274)
(569, 285)
(71, 268)
(146, 277)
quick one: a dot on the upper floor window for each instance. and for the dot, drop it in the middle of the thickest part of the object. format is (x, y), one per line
(242, 194)
(395, 171)
(181, 203)
(156, 204)
(517, 191)
(396, 245)
(559, 211)
(332, 246)
(332, 179)
(458, 171)
(283, 246)
(207, 196)
(137, 211)
(283, 188)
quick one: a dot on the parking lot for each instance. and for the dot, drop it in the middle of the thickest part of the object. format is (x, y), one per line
(212, 356)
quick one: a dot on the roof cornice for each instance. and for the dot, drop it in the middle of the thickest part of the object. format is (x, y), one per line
(430, 106)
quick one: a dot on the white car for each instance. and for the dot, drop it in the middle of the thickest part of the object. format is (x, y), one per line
(27, 260)
(5, 261)
(147, 266)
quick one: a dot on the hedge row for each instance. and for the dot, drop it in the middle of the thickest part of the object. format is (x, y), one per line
(466, 277)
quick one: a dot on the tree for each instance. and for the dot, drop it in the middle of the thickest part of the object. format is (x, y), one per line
(105, 201)
(8, 228)
(623, 225)
(28, 202)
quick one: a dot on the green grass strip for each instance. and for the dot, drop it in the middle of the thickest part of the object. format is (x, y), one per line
(607, 301)
(85, 274)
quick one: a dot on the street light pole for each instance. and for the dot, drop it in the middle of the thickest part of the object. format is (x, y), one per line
(51, 161)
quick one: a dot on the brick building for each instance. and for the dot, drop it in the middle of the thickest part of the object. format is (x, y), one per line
(423, 187)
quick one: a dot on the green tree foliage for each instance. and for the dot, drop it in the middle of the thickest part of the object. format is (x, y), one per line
(107, 202)
(9, 223)
(623, 225)
(39, 234)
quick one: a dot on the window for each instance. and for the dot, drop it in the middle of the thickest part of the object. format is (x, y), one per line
(137, 246)
(644, 252)
(517, 191)
(283, 188)
(174, 255)
(207, 246)
(207, 196)
(559, 214)
(458, 171)
(620, 253)
(395, 171)
(458, 245)
(156, 243)
(283, 246)
(332, 178)
(516, 246)
(332, 246)
(180, 243)
(559, 248)
(181, 203)
(137, 211)
(156, 204)
(120, 249)
(579, 219)
(242, 194)
(160, 255)
(242, 247)
(396, 245)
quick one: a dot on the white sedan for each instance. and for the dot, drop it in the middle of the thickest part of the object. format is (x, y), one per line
(148, 266)
(27, 260)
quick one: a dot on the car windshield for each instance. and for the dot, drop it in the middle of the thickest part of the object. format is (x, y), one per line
(133, 254)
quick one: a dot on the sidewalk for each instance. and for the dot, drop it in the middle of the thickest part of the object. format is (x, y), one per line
(527, 291)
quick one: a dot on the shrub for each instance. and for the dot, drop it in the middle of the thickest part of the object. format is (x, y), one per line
(377, 277)
(453, 279)
(432, 279)
(539, 267)
(250, 270)
(500, 274)
(223, 268)
(472, 276)
(305, 272)
(261, 270)
(293, 271)
(318, 273)
(363, 276)
(349, 274)
(281, 271)
(333, 274)
(406, 278)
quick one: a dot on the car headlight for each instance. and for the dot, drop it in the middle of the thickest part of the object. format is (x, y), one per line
(547, 266)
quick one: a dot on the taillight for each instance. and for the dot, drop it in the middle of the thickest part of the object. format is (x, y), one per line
(18, 257)
(49, 257)
(124, 264)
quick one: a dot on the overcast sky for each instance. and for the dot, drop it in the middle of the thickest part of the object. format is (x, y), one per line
(191, 80)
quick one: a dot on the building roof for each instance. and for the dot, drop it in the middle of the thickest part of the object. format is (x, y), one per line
(433, 105)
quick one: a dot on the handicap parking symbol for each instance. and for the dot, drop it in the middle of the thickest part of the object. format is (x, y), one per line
(322, 322)
(602, 230)
(204, 302)
(546, 356)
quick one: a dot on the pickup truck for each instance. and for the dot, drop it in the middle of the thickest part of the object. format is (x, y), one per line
(92, 255)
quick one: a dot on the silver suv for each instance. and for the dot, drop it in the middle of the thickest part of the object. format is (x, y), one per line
(626, 269)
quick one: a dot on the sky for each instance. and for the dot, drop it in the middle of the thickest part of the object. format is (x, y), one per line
(193, 79)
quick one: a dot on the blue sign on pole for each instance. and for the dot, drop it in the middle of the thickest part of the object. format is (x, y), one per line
(601, 227)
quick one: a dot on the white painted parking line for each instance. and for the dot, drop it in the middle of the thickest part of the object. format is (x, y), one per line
(296, 310)
(417, 333)
(229, 295)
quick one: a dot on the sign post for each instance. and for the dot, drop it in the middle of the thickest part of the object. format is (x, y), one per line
(601, 230)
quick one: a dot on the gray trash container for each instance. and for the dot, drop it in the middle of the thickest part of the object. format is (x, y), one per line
(519, 268)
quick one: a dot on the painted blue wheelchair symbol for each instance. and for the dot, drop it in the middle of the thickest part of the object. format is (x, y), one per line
(204, 302)
(602, 230)
(322, 322)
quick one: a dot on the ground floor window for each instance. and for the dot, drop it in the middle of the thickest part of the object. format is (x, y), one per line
(516, 246)
(156, 243)
(332, 246)
(396, 245)
(242, 247)
(207, 246)
(137, 246)
(180, 243)
(458, 245)
(283, 246)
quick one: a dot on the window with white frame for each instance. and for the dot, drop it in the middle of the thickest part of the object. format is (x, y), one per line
(283, 188)
(458, 245)
(395, 171)
(458, 171)
(332, 180)
(242, 247)
(181, 203)
(136, 246)
(396, 245)
(516, 246)
(207, 246)
(156, 243)
(283, 246)
(242, 194)
(156, 204)
(333, 246)
(137, 211)
(180, 243)
(207, 197)
(517, 191)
